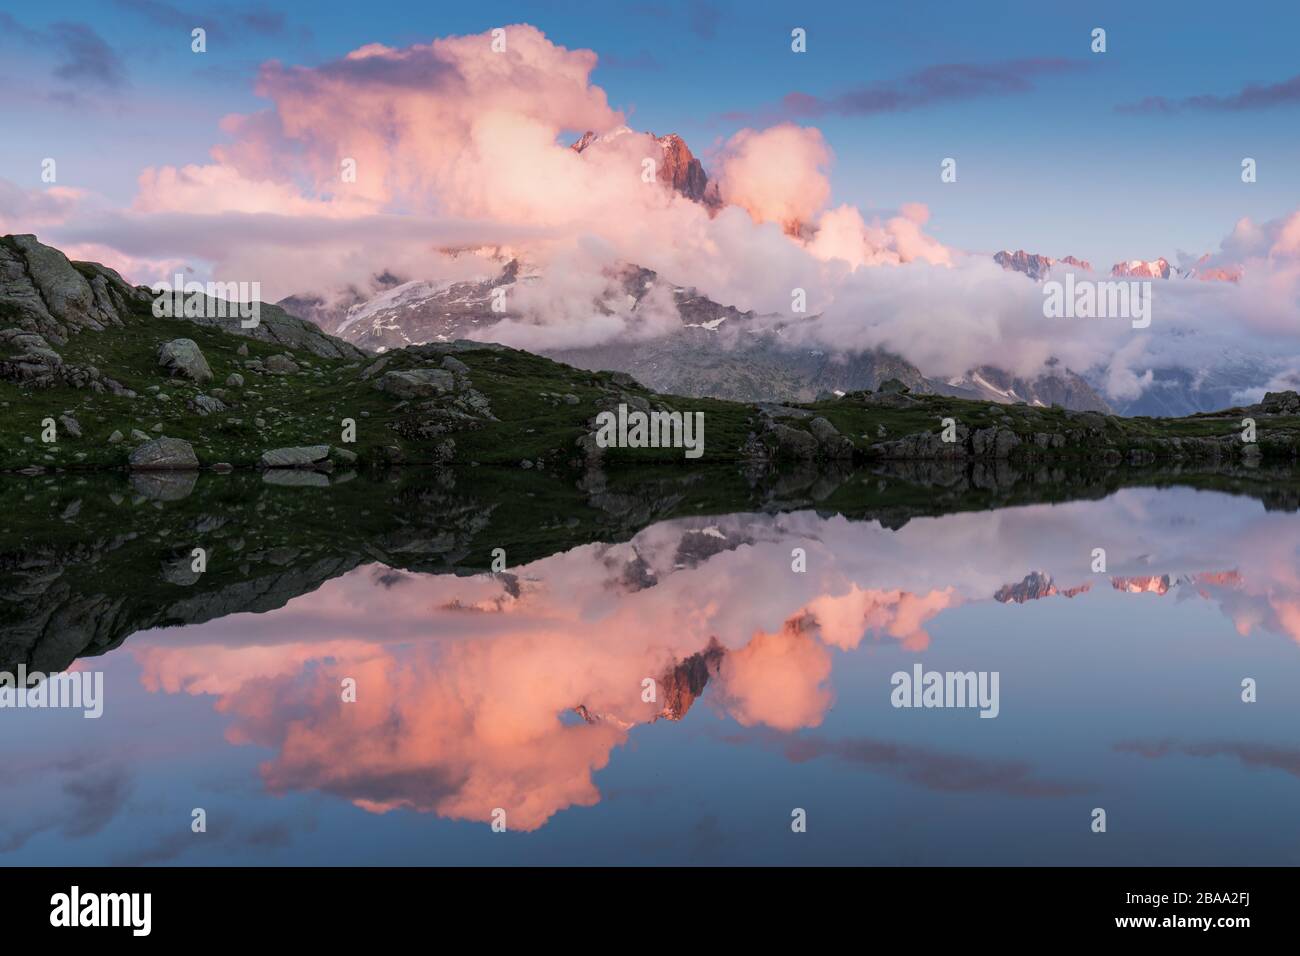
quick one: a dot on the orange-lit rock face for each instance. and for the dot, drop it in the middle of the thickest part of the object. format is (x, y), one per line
(1148, 584)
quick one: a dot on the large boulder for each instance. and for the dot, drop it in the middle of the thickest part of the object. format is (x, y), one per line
(833, 444)
(183, 357)
(44, 292)
(1280, 403)
(996, 442)
(48, 294)
(307, 456)
(164, 454)
(417, 383)
(26, 358)
(792, 442)
(277, 327)
(280, 365)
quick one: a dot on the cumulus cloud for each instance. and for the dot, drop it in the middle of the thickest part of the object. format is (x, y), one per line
(777, 174)
(452, 133)
(453, 144)
(26, 210)
(843, 620)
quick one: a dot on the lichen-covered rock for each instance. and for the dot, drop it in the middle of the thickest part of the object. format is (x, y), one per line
(833, 444)
(164, 454)
(184, 357)
(1280, 403)
(207, 404)
(417, 383)
(29, 359)
(1005, 442)
(280, 365)
(792, 442)
(277, 327)
(56, 297)
(375, 367)
(997, 442)
(307, 456)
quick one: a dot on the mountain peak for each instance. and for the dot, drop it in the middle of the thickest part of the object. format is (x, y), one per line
(679, 169)
(1139, 268)
(1033, 265)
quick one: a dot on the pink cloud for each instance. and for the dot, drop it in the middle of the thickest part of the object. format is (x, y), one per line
(777, 174)
(844, 620)
(778, 679)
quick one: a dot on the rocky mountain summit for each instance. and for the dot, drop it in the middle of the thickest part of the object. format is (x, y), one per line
(717, 351)
(1142, 269)
(44, 294)
(676, 166)
(1035, 266)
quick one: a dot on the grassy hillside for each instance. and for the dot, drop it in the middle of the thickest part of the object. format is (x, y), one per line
(537, 411)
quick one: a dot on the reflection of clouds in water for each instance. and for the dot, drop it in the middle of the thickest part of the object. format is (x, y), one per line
(932, 769)
(458, 713)
(1251, 755)
(91, 795)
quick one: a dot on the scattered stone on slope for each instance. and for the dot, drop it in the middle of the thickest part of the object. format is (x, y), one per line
(207, 404)
(280, 365)
(417, 383)
(183, 357)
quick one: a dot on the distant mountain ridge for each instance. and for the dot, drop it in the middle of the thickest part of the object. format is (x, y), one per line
(1035, 266)
(718, 352)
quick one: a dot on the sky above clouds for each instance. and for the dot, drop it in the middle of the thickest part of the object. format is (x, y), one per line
(227, 161)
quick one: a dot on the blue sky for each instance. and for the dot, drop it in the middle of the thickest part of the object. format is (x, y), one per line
(1053, 167)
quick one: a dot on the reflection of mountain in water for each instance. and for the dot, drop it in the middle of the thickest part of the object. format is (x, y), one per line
(85, 563)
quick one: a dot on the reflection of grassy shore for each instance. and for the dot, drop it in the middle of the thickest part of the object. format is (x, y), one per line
(88, 559)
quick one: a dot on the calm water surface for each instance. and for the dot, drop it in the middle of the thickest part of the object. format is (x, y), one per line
(524, 692)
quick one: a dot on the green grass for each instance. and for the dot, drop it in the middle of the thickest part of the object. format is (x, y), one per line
(524, 390)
